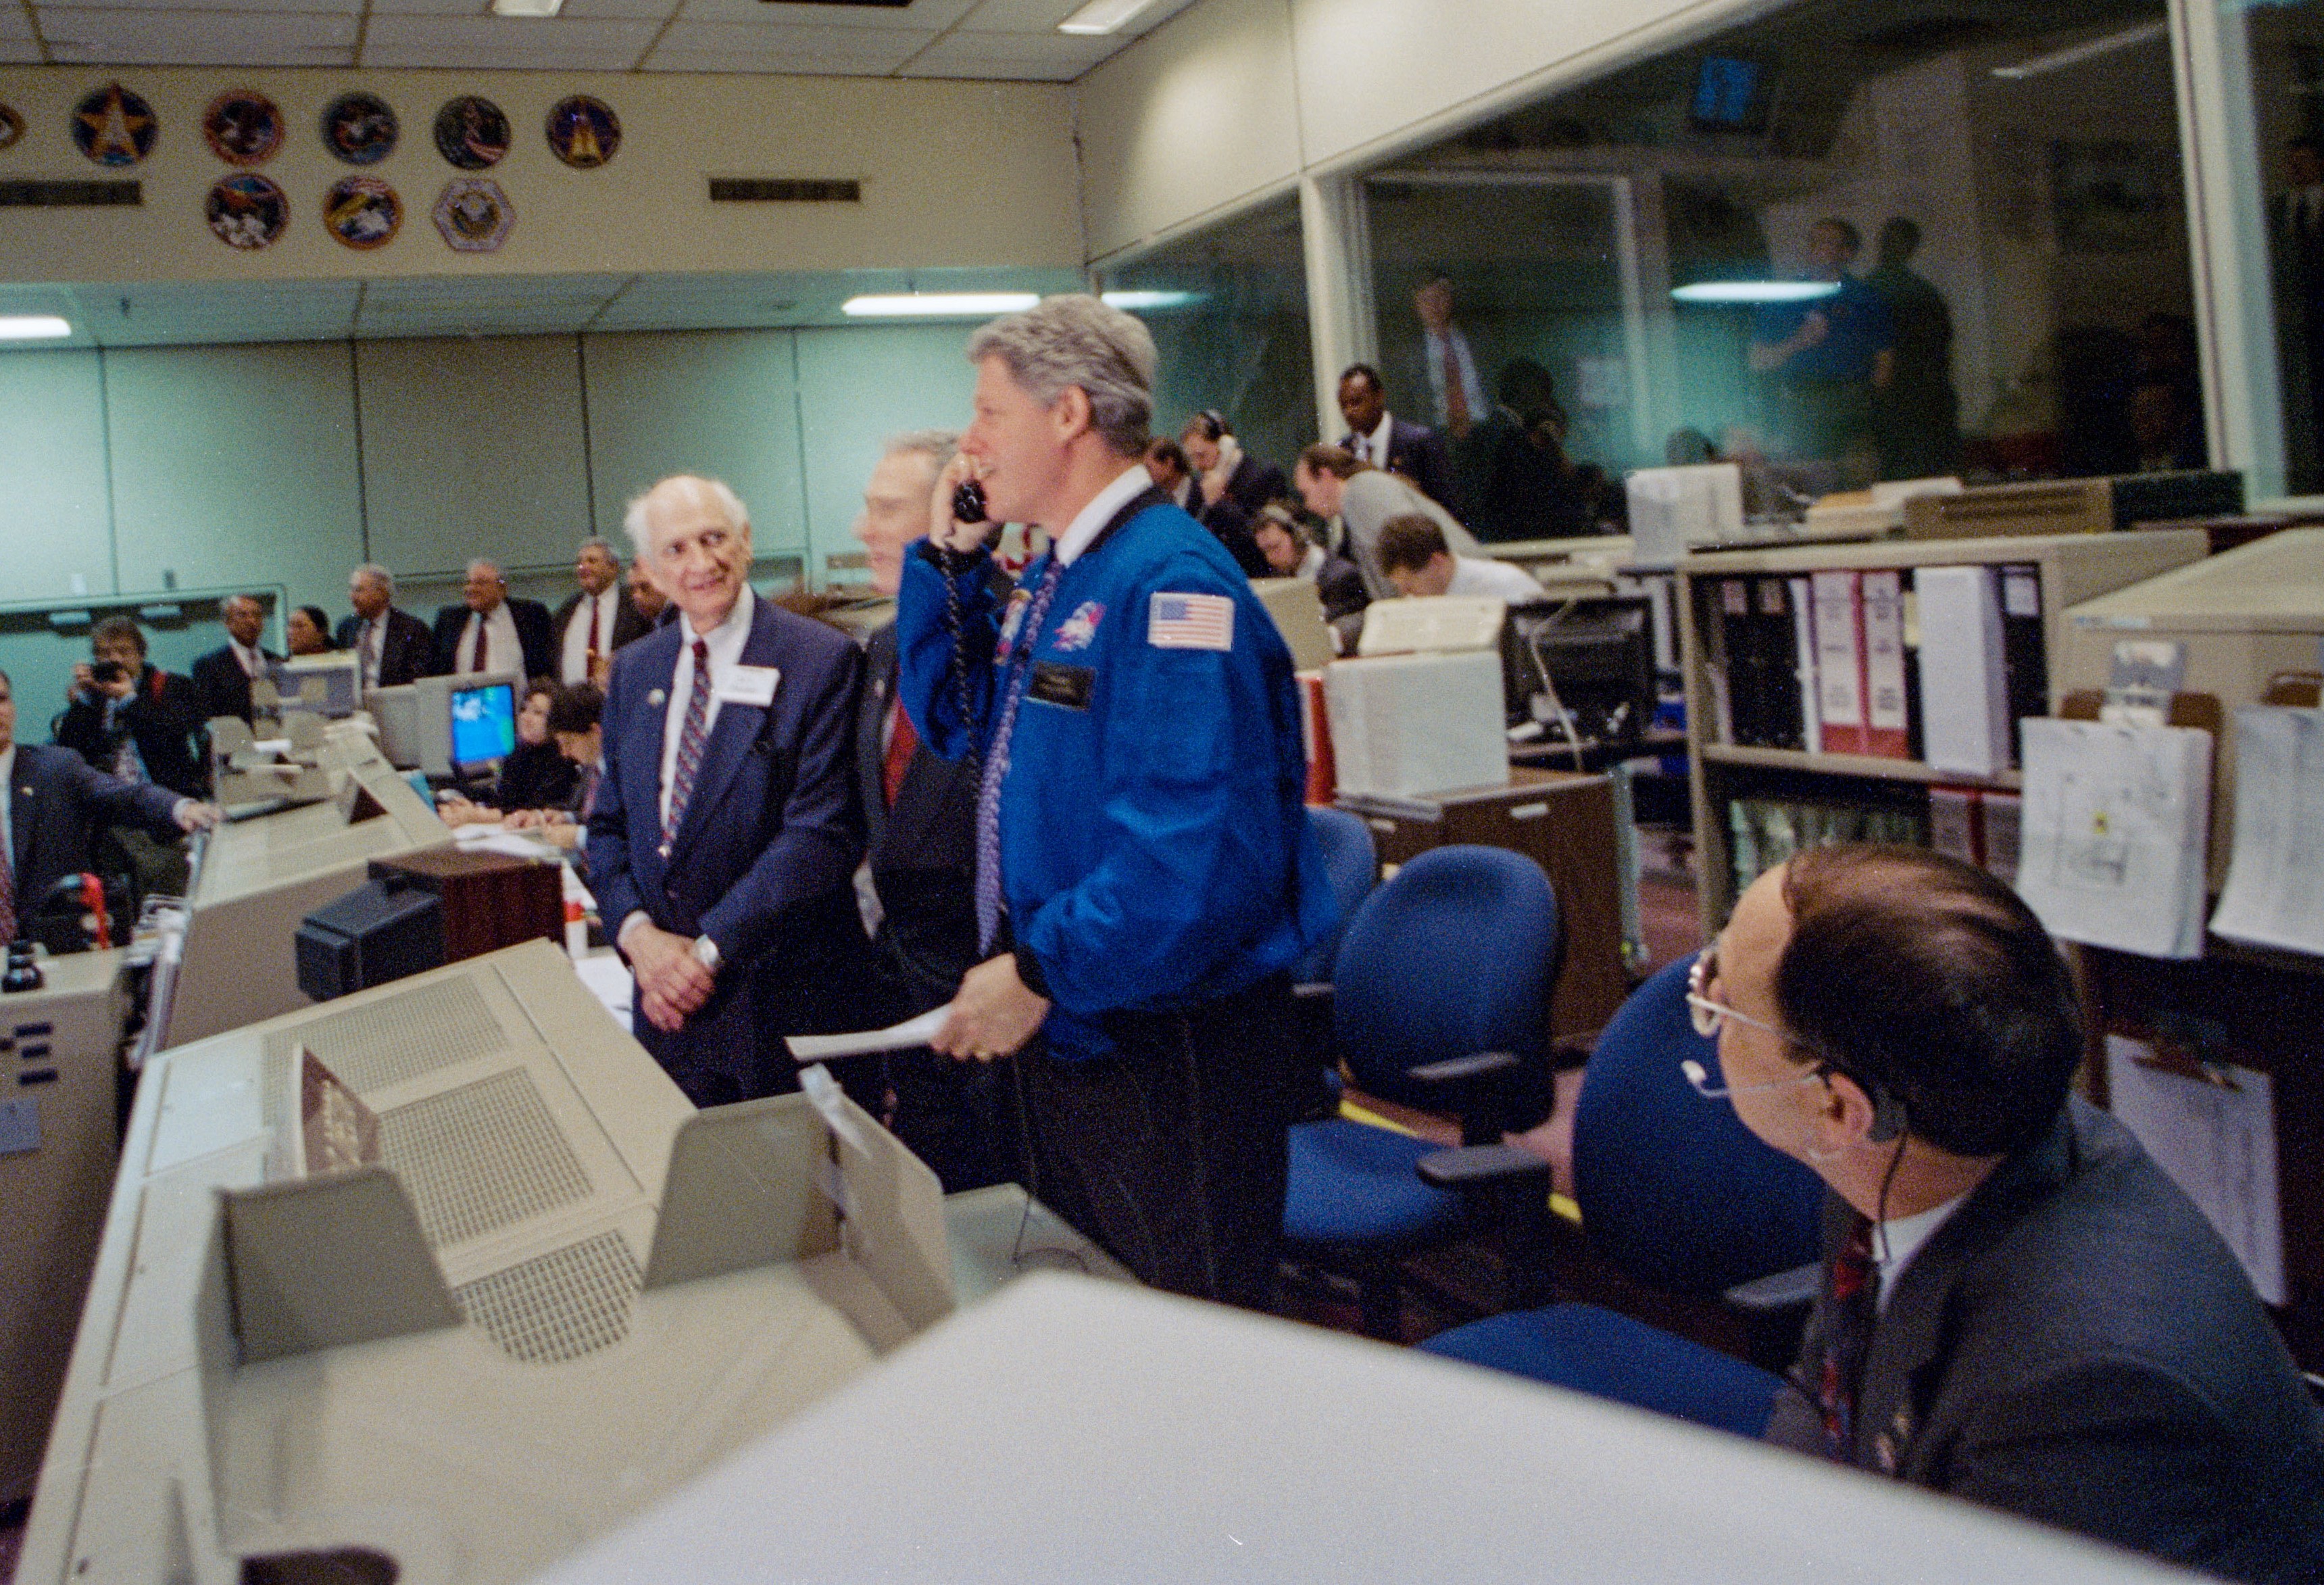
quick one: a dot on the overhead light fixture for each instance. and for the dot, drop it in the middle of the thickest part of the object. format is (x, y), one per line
(2145, 33)
(1130, 302)
(937, 305)
(1754, 291)
(33, 327)
(1103, 16)
(526, 8)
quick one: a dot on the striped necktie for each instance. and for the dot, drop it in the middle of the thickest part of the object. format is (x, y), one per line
(689, 746)
(1854, 1308)
(996, 762)
(7, 890)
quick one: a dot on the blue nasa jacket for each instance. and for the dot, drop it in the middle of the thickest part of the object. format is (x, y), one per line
(1154, 850)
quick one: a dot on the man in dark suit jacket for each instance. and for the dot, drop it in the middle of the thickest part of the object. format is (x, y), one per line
(395, 646)
(1223, 467)
(55, 804)
(137, 706)
(1379, 437)
(223, 676)
(609, 618)
(2018, 1306)
(1167, 465)
(919, 812)
(487, 620)
(726, 831)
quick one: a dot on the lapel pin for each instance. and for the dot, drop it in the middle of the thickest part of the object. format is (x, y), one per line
(656, 697)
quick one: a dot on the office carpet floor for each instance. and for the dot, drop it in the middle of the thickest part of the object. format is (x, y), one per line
(1449, 1286)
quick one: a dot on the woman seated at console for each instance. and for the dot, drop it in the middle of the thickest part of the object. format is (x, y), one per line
(535, 776)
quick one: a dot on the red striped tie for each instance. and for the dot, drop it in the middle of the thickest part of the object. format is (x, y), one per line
(689, 746)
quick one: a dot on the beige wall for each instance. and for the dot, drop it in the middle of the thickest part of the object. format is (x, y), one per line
(1232, 98)
(917, 147)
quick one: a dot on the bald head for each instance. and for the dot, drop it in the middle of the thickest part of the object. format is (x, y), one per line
(692, 538)
(484, 588)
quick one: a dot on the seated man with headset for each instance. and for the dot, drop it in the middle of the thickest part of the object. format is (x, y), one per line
(2018, 1306)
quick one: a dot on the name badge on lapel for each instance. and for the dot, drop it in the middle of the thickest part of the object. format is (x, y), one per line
(750, 684)
(1064, 686)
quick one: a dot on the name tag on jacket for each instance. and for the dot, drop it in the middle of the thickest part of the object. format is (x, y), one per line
(750, 684)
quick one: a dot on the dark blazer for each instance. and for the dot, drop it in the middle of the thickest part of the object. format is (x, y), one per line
(536, 776)
(165, 718)
(223, 685)
(629, 625)
(407, 652)
(1417, 452)
(764, 857)
(1254, 483)
(923, 851)
(532, 634)
(56, 803)
(2075, 1344)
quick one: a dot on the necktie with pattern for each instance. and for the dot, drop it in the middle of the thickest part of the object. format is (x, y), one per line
(1839, 1372)
(689, 746)
(1456, 393)
(901, 743)
(996, 761)
(7, 890)
(476, 662)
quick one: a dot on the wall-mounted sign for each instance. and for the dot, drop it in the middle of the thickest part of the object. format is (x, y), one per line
(474, 215)
(359, 128)
(247, 211)
(362, 212)
(113, 126)
(243, 128)
(584, 132)
(471, 133)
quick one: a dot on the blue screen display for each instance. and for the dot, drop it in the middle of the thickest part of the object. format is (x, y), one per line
(1729, 93)
(484, 724)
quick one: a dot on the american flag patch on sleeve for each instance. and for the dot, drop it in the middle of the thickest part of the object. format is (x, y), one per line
(1190, 622)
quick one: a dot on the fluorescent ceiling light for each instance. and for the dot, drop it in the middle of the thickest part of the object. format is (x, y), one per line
(1754, 291)
(526, 8)
(1151, 299)
(937, 305)
(1103, 16)
(33, 327)
(2143, 33)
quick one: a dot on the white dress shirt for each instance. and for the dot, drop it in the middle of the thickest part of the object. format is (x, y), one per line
(725, 641)
(1374, 449)
(506, 650)
(1489, 579)
(7, 811)
(575, 665)
(1900, 1239)
(370, 643)
(1132, 482)
(253, 664)
(1471, 387)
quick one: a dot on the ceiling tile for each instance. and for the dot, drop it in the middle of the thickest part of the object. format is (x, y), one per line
(593, 10)
(196, 38)
(921, 17)
(16, 24)
(506, 42)
(1045, 57)
(19, 51)
(242, 7)
(436, 8)
(726, 46)
(1021, 16)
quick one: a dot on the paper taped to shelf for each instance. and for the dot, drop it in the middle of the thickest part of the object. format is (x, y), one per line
(2114, 830)
(2274, 895)
(2215, 1135)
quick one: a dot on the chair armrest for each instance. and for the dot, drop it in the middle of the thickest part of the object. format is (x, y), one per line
(1475, 1066)
(1783, 1290)
(1476, 1166)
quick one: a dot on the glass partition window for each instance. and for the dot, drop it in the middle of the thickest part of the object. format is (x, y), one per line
(1850, 241)
(1228, 307)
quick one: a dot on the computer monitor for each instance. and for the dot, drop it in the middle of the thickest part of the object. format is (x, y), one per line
(483, 726)
(1730, 95)
(330, 686)
(415, 720)
(1582, 667)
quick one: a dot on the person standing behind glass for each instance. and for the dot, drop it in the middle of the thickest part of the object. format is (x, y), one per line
(2297, 233)
(1828, 355)
(1917, 418)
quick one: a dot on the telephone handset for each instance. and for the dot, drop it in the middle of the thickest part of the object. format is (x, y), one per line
(968, 506)
(968, 501)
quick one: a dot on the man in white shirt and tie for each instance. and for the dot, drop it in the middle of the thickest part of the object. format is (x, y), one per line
(393, 646)
(598, 618)
(224, 674)
(489, 632)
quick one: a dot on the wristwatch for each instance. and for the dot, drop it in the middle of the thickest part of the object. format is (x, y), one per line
(706, 952)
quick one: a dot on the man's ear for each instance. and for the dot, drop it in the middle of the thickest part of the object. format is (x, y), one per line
(1070, 415)
(1847, 1116)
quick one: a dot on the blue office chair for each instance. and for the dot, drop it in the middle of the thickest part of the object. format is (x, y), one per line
(1350, 866)
(1440, 998)
(1679, 1196)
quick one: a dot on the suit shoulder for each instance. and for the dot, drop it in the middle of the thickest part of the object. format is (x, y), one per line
(808, 638)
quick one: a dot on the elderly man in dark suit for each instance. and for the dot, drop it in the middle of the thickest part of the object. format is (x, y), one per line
(2018, 1306)
(395, 646)
(596, 619)
(919, 810)
(224, 675)
(490, 631)
(725, 830)
(52, 804)
(1387, 442)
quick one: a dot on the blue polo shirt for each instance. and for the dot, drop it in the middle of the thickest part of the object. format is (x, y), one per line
(1862, 328)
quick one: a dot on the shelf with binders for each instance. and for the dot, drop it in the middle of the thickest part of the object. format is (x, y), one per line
(1886, 678)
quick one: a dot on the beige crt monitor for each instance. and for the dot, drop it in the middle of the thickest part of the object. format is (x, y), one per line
(59, 1047)
(1297, 608)
(551, 1292)
(232, 962)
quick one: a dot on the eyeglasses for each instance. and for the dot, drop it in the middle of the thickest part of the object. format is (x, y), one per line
(1707, 1016)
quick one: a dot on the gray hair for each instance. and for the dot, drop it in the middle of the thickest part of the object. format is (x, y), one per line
(599, 542)
(376, 573)
(715, 491)
(488, 561)
(936, 445)
(1076, 341)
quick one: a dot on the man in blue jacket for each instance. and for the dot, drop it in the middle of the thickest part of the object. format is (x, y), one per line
(1144, 875)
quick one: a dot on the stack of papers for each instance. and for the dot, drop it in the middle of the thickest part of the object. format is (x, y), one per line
(2274, 895)
(2115, 824)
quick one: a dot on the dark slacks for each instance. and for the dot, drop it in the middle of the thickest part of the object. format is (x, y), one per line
(1170, 1154)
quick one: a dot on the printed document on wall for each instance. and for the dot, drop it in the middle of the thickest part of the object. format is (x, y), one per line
(2217, 1140)
(2274, 895)
(2113, 836)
